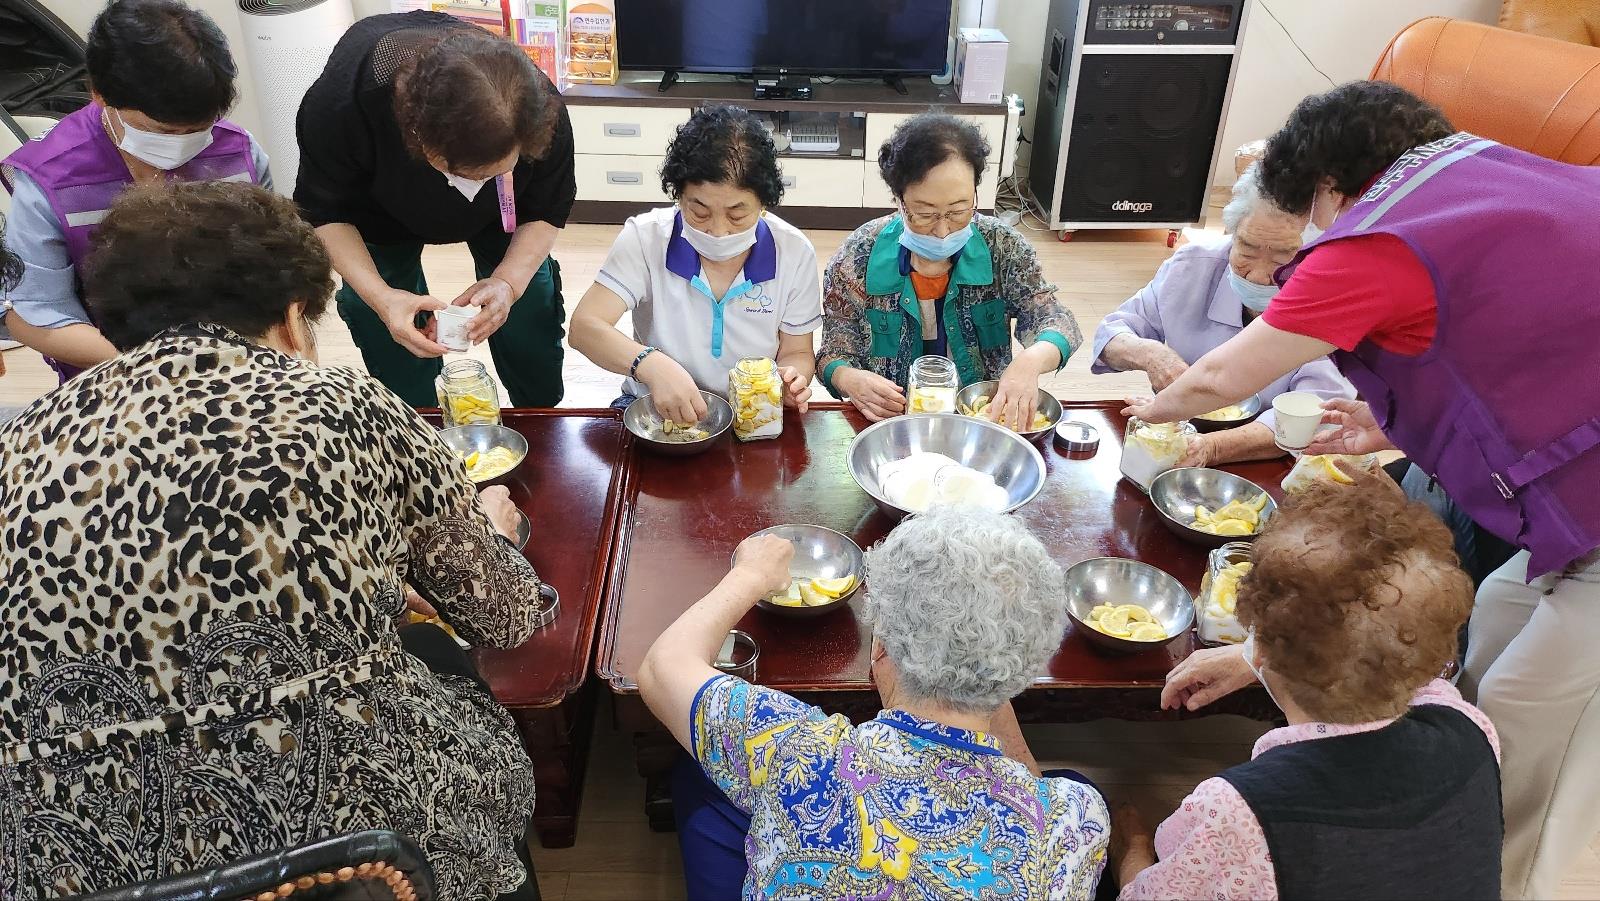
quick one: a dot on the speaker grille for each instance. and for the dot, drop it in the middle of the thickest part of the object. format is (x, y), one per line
(1142, 132)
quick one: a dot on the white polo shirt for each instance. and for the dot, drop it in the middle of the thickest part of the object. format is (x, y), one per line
(658, 275)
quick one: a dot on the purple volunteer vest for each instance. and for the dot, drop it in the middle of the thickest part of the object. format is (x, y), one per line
(81, 173)
(1504, 406)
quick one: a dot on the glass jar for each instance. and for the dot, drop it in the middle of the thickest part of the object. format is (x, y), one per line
(467, 394)
(933, 385)
(1150, 449)
(1219, 594)
(755, 391)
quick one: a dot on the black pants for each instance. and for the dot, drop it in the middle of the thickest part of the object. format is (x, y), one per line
(440, 653)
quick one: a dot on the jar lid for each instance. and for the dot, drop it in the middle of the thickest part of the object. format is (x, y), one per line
(1075, 436)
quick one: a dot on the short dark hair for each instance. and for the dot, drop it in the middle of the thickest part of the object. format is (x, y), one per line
(723, 144)
(923, 142)
(473, 99)
(161, 58)
(1349, 134)
(178, 253)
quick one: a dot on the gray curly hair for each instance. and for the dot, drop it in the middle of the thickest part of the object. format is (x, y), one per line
(1247, 197)
(968, 604)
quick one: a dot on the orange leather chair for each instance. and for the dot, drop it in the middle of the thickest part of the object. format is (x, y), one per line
(1534, 93)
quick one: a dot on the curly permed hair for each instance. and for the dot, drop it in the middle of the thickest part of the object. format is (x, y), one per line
(227, 253)
(1356, 598)
(1349, 134)
(723, 145)
(923, 142)
(473, 99)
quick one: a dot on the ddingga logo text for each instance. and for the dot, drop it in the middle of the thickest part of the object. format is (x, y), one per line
(1129, 206)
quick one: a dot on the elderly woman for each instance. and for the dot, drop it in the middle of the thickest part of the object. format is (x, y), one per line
(922, 801)
(1201, 297)
(204, 544)
(1438, 246)
(938, 278)
(1385, 783)
(162, 78)
(712, 279)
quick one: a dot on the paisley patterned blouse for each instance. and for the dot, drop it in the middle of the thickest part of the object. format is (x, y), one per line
(898, 807)
(203, 547)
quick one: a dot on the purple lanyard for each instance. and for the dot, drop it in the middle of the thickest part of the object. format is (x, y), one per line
(508, 202)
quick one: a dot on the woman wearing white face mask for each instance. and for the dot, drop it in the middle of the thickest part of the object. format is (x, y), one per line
(423, 130)
(710, 281)
(162, 78)
(938, 278)
(1204, 295)
(1385, 782)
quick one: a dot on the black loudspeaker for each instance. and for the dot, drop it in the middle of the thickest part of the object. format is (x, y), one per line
(1132, 99)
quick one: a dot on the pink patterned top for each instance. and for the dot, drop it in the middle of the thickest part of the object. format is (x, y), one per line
(1213, 847)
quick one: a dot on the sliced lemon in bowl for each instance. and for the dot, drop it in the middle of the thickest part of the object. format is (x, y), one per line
(1115, 623)
(1137, 614)
(834, 588)
(1147, 632)
(812, 597)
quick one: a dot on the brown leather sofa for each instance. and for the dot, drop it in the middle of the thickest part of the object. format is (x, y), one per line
(1534, 93)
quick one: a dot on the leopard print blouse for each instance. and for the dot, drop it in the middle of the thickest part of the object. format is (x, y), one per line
(203, 548)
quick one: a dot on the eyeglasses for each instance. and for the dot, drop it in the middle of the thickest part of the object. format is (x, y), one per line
(952, 218)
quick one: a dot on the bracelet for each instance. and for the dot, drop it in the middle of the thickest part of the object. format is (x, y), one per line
(633, 371)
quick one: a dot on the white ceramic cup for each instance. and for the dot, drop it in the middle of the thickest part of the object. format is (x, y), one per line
(453, 321)
(1299, 414)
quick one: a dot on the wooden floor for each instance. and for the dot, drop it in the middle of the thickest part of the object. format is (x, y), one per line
(616, 856)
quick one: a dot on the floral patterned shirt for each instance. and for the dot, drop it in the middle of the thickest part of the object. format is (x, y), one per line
(898, 807)
(1213, 846)
(872, 319)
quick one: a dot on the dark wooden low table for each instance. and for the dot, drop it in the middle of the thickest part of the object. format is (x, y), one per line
(685, 516)
(571, 489)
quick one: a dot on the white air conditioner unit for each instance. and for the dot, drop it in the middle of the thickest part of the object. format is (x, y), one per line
(286, 44)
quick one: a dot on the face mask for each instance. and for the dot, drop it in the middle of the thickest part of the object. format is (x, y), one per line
(1249, 651)
(1310, 233)
(930, 248)
(718, 248)
(165, 152)
(468, 187)
(1255, 297)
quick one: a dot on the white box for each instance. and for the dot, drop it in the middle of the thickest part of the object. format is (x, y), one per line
(981, 65)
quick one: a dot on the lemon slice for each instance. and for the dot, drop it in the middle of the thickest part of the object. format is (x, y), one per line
(1334, 472)
(1137, 614)
(834, 588)
(1243, 568)
(1227, 598)
(1147, 632)
(812, 597)
(1259, 503)
(1232, 527)
(1100, 611)
(1115, 623)
(1202, 513)
(472, 459)
(753, 367)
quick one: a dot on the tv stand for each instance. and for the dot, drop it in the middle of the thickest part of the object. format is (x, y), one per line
(898, 83)
(620, 134)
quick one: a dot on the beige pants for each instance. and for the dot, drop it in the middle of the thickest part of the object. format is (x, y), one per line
(1533, 663)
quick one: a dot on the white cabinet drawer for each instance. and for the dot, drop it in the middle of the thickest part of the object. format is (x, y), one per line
(619, 177)
(821, 182)
(877, 193)
(624, 129)
(881, 125)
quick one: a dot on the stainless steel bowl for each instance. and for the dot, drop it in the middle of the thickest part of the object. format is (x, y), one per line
(819, 553)
(1252, 407)
(1177, 492)
(482, 437)
(524, 530)
(971, 441)
(1048, 405)
(1116, 580)
(644, 422)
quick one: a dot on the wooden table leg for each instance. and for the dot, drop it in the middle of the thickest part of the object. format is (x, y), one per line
(557, 740)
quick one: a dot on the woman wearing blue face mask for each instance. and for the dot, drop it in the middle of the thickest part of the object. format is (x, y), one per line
(162, 78)
(423, 130)
(709, 281)
(1204, 295)
(939, 278)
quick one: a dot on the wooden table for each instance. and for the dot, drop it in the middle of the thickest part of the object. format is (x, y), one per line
(685, 516)
(572, 490)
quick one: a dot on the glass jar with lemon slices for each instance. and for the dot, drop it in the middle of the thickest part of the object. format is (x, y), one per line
(467, 394)
(755, 391)
(1312, 468)
(1150, 449)
(1219, 593)
(933, 385)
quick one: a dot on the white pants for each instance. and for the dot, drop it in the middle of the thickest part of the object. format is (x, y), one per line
(1533, 662)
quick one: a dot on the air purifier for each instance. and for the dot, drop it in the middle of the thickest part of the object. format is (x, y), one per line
(286, 45)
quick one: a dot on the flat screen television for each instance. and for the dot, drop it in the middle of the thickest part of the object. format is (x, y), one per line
(809, 37)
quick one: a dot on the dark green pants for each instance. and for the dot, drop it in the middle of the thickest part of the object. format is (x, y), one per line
(526, 349)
